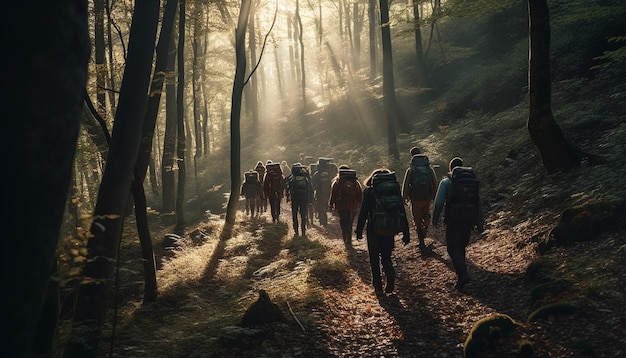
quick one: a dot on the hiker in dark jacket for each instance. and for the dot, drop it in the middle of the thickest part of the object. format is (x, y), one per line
(262, 200)
(420, 202)
(345, 198)
(300, 193)
(459, 225)
(378, 247)
(252, 190)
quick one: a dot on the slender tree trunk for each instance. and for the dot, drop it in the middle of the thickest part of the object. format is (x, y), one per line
(111, 65)
(99, 56)
(419, 52)
(181, 145)
(557, 153)
(145, 153)
(43, 75)
(371, 14)
(253, 91)
(302, 69)
(388, 81)
(92, 301)
(235, 117)
(168, 161)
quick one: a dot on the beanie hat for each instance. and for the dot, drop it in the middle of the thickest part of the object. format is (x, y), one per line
(455, 162)
(415, 150)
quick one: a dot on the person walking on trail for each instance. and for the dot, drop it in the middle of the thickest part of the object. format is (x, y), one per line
(251, 190)
(273, 188)
(345, 198)
(285, 167)
(262, 200)
(458, 194)
(300, 192)
(321, 185)
(383, 209)
(419, 188)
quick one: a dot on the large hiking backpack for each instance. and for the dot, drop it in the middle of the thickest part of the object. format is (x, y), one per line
(299, 183)
(421, 185)
(348, 187)
(325, 174)
(275, 177)
(463, 201)
(388, 215)
(251, 184)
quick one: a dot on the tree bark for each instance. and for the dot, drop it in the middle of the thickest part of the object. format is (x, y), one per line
(419, 51)
(388, 82)
(371, 14)
(93, 291)
(181, 145)
(168, 179)
(46, 66)
(557, 152)
(235, 116)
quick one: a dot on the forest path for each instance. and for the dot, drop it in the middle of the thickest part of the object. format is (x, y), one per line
(425, 316)
(207, 282)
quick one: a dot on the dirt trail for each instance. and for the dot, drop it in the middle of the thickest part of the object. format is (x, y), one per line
(425, 316)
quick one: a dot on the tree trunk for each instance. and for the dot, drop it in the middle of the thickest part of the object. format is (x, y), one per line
(557, 152)
(181, 145)
(419, 52)
(253, 92)
(302, 69)
(99, 56)
(388, 81)
(371, 14)
(235, 116)
(168, 161)
(92, 301)
(46, 66)
(145, 151)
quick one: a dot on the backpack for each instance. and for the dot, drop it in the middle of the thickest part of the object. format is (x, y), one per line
(275, 177)
(299, 183)
(251, 185)
(324, 172)
(388, 215)
(421, 188)
(348, 187)
(463, 201)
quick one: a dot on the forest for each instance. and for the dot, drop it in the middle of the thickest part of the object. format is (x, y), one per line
(133, 123)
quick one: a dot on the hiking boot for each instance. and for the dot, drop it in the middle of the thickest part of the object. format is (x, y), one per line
(463, 280)
(378, 289)
(391, 280)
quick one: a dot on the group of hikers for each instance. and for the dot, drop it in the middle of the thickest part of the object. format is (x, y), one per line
(314, 189)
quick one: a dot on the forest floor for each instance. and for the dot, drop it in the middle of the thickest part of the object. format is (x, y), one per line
(323, 289)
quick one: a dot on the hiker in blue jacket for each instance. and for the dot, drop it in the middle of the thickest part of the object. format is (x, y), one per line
(379, 247)
(459, 218)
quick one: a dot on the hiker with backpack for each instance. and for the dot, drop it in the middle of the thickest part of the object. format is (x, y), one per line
(251, 190)
(300, 192)
(345, 198)
(273, 188)
(419, 187)
(383, 209)
(262, 200)
(322, 186)
(458, 194)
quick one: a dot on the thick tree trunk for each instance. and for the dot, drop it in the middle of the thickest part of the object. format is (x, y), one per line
(557, 153)
(46, 66)
(235, 116)
(92, 301)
